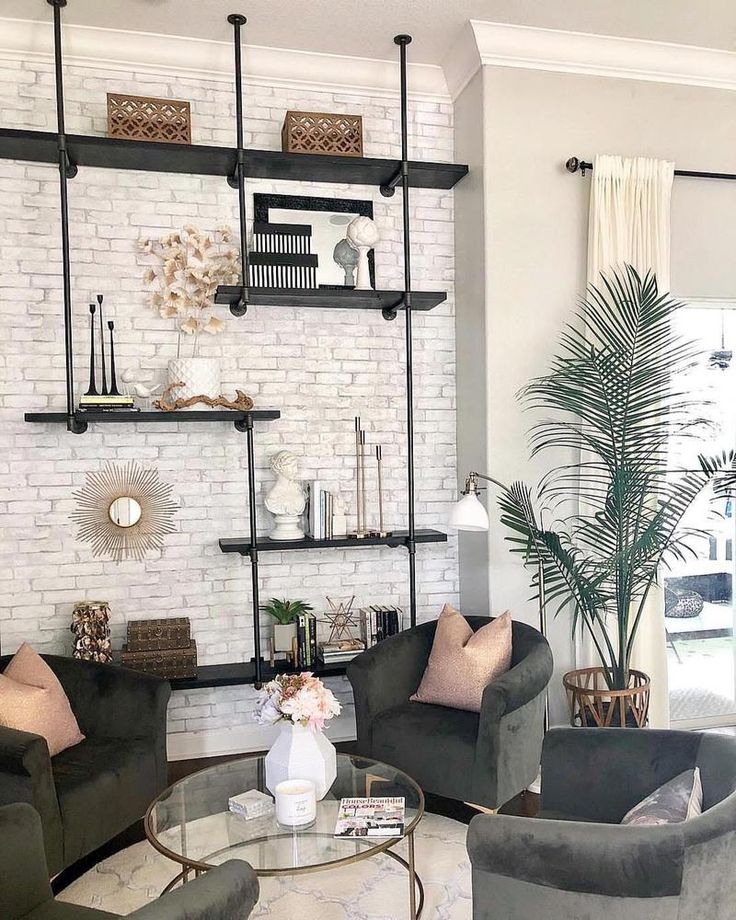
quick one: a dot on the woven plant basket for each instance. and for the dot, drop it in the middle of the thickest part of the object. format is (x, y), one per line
(594, 705)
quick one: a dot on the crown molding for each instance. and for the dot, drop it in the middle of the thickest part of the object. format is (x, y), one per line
(194, 58)
(492, 44)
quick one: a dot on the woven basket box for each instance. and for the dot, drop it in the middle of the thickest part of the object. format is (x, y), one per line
(143, 118)
(150, 635)
(322, 133)
(168, 662)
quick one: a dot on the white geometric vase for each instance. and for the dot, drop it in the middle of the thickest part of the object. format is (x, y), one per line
(199, 376)
(300, 753)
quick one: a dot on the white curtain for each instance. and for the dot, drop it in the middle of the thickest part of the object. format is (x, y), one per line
(630, 222)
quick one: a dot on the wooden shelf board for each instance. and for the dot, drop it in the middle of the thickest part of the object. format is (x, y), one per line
(184, 415)
(202, 160)
(345, 299)
(231, 675)
(398, 538)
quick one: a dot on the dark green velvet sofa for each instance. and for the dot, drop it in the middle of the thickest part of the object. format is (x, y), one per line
(577, 861)
(94, 790)
(227, 892)
(484, 758)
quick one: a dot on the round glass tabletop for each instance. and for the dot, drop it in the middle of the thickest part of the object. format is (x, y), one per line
(190, 822)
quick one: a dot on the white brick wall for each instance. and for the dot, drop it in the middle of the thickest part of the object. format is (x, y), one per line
(319, 367)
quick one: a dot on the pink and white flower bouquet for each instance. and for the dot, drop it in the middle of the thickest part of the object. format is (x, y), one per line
(301, 699)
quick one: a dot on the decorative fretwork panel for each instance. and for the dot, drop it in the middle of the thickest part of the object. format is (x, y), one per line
(141, 118)
(320, 132)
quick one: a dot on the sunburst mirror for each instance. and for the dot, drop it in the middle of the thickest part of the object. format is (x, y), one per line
(124, 511)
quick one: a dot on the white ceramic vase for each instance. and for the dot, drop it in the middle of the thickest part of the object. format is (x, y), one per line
(363, 281)
(199, 376)
(300, 753)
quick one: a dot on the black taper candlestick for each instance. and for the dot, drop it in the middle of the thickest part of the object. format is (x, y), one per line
(92, 388)
(113, 381)
(104, 391)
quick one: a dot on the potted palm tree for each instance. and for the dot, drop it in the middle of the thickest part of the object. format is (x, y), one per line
(598, 529)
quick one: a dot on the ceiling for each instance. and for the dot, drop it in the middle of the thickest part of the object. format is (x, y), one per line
(364, 28)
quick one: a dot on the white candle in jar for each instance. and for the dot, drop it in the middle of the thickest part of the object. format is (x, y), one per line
(296, 802)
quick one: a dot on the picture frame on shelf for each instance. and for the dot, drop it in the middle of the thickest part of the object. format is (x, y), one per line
(328, 218)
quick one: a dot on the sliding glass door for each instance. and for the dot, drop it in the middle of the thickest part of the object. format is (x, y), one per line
(699, 589)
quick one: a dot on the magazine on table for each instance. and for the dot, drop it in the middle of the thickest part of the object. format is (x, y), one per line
(371, 817)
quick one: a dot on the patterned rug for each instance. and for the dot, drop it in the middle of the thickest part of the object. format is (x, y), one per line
(374, 889)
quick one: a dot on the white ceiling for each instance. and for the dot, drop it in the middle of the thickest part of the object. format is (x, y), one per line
(364, 28)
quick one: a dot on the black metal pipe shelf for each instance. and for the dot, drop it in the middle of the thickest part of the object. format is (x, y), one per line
(346, 299)
(242, 545)
(202, 160)
(183, 415)
(232, 675)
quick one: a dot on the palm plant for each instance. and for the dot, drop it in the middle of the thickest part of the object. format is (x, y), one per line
(285, 612)
(614, 396)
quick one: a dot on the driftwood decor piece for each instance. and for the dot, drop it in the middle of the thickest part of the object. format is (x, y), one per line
(241, 403)
(124, 511)
(322, 133)
(142, 118)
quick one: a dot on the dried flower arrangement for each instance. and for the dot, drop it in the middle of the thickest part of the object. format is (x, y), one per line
(184, 270)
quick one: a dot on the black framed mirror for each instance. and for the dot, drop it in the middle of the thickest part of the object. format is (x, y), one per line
(328, 218)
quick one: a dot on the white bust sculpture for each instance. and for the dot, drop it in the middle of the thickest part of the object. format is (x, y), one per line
(362, 234)
(286, 500)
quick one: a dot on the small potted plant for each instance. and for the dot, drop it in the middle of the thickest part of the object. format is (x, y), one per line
(285, 614)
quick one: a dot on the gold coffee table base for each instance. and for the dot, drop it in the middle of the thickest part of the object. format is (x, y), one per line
(416, 888)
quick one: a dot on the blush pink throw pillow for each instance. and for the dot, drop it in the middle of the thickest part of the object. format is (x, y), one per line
(33, 700)
(462, 663)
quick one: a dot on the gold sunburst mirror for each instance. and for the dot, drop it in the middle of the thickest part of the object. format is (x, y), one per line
(124, 511)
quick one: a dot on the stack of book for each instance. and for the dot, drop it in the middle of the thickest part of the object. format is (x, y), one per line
(281, 256)
(107, 404)
(340, 651)
(306, 640)
(378, 623)
(320, 512)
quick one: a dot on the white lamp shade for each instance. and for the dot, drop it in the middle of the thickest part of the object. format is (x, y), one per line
(469, 514)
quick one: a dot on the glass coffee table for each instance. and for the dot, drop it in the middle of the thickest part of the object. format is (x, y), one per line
(191, 825)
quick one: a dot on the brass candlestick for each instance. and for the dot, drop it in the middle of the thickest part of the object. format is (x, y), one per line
(379, 471)
(359, 532)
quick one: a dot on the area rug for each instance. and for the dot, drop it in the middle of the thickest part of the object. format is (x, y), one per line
(373, 889)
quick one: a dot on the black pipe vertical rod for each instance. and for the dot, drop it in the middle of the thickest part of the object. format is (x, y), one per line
(253, 535)
(237, 180)
(66, 171)
(402, 41)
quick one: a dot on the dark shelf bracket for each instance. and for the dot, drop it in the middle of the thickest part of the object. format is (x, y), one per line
(76, 425)
(389, 188)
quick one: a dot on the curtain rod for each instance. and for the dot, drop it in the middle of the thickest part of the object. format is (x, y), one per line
(574, 165)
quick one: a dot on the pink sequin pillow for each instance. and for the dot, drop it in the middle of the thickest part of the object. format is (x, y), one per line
(33, 700)
(462, 663)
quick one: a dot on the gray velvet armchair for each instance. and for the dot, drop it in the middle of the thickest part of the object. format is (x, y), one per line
(578, 861)
(94, 790)
(484, 758)
(227, 892)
